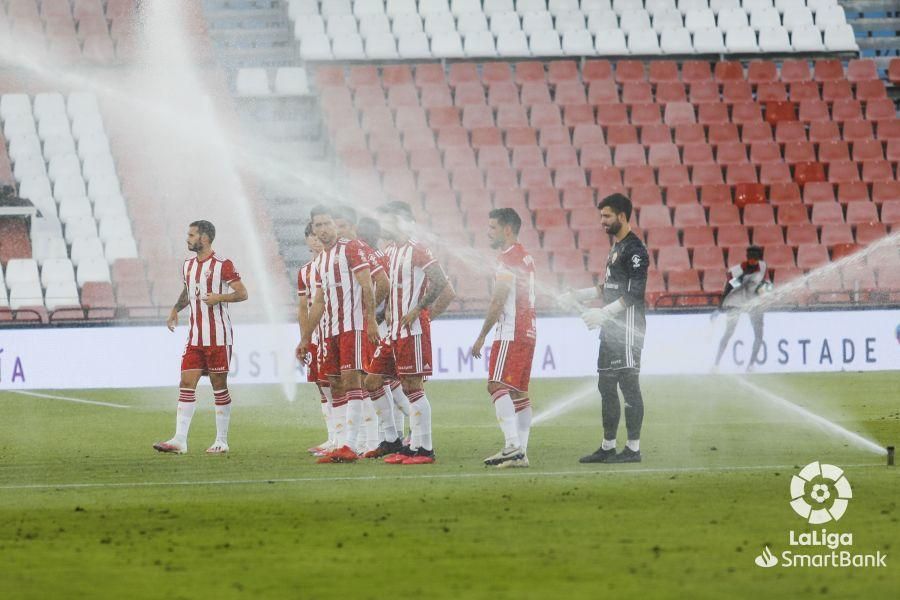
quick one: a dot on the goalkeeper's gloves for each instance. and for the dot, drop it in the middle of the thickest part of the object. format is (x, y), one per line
(597, 317)
(574, 299)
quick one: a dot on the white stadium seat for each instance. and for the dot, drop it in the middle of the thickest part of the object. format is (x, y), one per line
(620, 7)
(513, 43)
(304, 8)
(611, 42)
(527, 6)
(840, 37)
(21, 147)
(340, 26)
(35, 187)
(98, 164)
(49, 103)
(655, 7)
(109, 206)
(717, 6)
(29, 167)
(741, 40)
(492, 7)
(676, 41)
(86, 124)
(93, 144)
(430, 7)
(602, 20)
(558, 7)
(765, 18)
(578, 43)
(57, 145)
(84, 248)
(413, 45)
(46, 227)
(505, 22)
(364, 8)
(104, 185)
(817, 5)
(796, 17)
(252, 82)
(120, 247)
(471, 23)
(14, 104)
(92, 269)
(545, 43)
(61, 294)
(291, 81)
(570, 21)
(687, 6)
(315, 46)
(667, 19)
(401, 7)
(534, 22)
(774, 39)
(54, 125)
(80, 227)
(348, 47)
(751, 6)
(115, 227)
(45, 248)
(381, 46)
(19, 126)
(635, 20)
(336, 7)
(57, 269)
(309, 26)
(784, 6)
(480, 43)
(699, 19)
(447, 44)
(25, 295)
(82, 103)
(69, 185)
(372, 24)
(832, 15)
(21, 270)
(72, 207)
(461, 7)
(439, 23)
(407, 23)
(807, 38)
(732, 18)
(643, 41)
(591, 5)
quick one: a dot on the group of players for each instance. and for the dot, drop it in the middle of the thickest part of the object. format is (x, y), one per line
(367, 299)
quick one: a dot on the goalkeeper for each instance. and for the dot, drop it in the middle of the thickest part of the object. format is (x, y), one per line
(622, 324)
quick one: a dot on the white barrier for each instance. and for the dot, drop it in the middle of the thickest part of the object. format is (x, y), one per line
(118, 357)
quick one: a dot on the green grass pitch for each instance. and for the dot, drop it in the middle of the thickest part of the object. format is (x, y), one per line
(89, 510)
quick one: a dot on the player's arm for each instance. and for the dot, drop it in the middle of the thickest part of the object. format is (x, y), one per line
(238, 294)
(436, 282)
(382, 286)
(312, 321)
(448, 294)
(364, 278)
(505, 281)
(638, 265)
(180, 304)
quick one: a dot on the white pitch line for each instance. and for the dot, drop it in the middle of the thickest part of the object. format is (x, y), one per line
(587, 471)
(67, 399)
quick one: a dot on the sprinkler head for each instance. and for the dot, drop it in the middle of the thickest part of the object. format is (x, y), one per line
(890, 451)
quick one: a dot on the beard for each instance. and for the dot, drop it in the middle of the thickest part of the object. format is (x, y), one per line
(613, 228)
(195, 247)
(496, 244)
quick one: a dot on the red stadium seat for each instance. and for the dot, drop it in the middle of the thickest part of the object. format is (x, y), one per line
(730, 153)
(561, 155)
(812, 256)
(861, 213)
(447, 116)
(877, 170)
(662, 237)
(828, 70)
(722, 134)
(689, 133)
(560, 71)
(708, 257)
(758, 214)
(784, 193)
(629, 71)
(560, 239)
(818, 192)
(867, 91)
(689, 215)
(749, 193)
(802, 91)
(606, 176)
(578, 114)
(843, 172)
(702, 175)
(827, 213)
(501, 179)
(578, 197)
(603, 92)
(587, 134)
(698, 236)
(535, 178)
(814, 110)
(699, 154)
(794, 214)
(775, 173)
(662, 71)
(834, 234)
(724, 214)
(673, 259)
(885, 191)
(597, 70)
(746, 112)
(570, 93)
(795, 70)
(732, 235)
(679, 194)
(645, 114)
(545, 115)
(797, 152)
(629, 155)
(503, 94)
(493, 156)
(777, 256)
(836, 90)
(644, 195)
(656, 133)
(529, 72)
(684, 281)
(888, 129)
(864, 150)
(483, 137)
(824, 131)
(595, 155)
(790, 132)
(535, 94)
(833, 151)
(771, 92)
(808, 171)
(612, 115)
(736, 174)
(469, 94)
(679, 113)
(664, 155)
(554, 135)
(459, 157)
(510, 116)
(853, 192)
(570, 177)
(759, 71)
(753, 133)
(638, 175)
(673, 175)
(845, 110)
(550, 218)
(495, 72)
(654, 216)
(880, 109)
(866, 233)
(670, 91)
(695, 70)
(768, 235)
(713, 113)
(778, 112)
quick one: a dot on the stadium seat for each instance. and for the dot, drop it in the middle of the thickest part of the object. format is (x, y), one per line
(812, 256)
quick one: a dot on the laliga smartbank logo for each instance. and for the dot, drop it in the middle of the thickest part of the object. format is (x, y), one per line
(820, 493)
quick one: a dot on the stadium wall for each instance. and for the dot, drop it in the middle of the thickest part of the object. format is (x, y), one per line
(121, 357)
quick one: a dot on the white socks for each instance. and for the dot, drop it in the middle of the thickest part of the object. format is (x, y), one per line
(354, 417)
(633, 445)
(223, 414)
(608, 445)
(339, 419)
(370, 424)
(184, 414)
(506, 417)
(420, 420)
(523, 421)
(384, 410)
(325, 391)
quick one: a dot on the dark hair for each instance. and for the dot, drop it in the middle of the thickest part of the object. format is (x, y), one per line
(320, 209)
(368, 230)
(507, 216)
(755, 252)
(618, 203)
(308, 231)
(347, 213)
(205, 227)
(399, 208)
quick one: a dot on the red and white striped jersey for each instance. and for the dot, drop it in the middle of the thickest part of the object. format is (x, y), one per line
(515, 268)
(306, 286)
(335, 270)
(210, 325)
(407, 275)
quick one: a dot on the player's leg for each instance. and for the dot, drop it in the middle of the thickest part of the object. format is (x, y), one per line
(730, 325)
(192, 365)
(222, 397)
(401, 405)
(629, 382)
(524, 355)
(609, 397)
(756, 321)
(504, 409)
(419, 419)
(382, 400)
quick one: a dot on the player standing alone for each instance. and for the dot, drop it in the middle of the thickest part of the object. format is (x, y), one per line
(748, 279)
(622, 324)
(208, 350)
(512, 311)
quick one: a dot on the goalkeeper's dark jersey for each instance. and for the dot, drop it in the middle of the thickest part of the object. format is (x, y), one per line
(626, 278)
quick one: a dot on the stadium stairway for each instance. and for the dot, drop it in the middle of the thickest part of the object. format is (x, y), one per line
(875, 23)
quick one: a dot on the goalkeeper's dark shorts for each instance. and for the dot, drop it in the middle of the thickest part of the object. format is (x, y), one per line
(617, 353)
